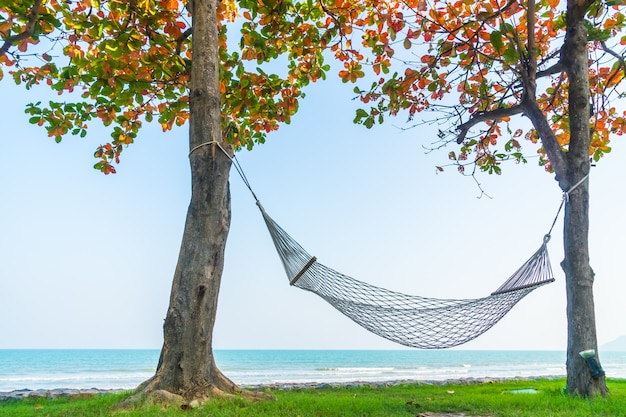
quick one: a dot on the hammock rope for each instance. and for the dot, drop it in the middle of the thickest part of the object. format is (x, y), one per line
(410, 320)
(420, 322)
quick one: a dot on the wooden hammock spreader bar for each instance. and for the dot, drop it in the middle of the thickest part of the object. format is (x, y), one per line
(523, 287)
(303, 270)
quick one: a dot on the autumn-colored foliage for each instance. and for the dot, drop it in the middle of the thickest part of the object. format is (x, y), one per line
(126, 62)
(467, 61)
(464, 61)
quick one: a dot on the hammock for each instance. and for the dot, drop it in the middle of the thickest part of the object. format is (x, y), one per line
(420, 322)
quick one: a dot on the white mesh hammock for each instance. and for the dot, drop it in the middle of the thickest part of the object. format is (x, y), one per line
(420, 322)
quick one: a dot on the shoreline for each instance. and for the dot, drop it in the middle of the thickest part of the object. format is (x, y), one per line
(20, 394)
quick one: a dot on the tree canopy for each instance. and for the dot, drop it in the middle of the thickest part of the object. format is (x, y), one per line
(126, 62)
(475, 63)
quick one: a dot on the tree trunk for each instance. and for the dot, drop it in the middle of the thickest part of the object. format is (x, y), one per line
(571, 169)
(578, 273)
(187, 366)
(186, 370)
(581, 323)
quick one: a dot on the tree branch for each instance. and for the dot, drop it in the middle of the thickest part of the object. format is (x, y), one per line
(554, 69)
(485, 16)
(548, 139)
(28, 30)
(532, 46)
(531, 59)
(485, 116)
(622, 64)
(182, 38)
(334, 17)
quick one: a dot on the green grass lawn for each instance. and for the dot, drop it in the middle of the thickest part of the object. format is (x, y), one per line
(491, 399)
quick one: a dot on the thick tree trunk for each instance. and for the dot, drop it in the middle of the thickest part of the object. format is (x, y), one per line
(581, 335)
(186, 370)
(187, 366)
(571, 169)
(578, 273)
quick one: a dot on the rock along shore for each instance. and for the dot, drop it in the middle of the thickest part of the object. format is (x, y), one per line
(21, 394)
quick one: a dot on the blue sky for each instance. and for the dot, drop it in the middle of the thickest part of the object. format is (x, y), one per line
(87, 259)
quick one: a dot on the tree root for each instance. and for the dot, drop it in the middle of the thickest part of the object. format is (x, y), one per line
(150, 394)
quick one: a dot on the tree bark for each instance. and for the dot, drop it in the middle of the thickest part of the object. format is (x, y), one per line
(578, 272)
(186, 370)
(571, 169)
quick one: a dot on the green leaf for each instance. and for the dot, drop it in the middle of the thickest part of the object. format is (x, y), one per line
(360, 114)
(560, 22)
(596, 34)
(32, 109)
(496, 40)
(507, 28)
(510, 56)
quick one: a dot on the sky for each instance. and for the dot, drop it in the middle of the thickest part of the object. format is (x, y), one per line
(86, 260)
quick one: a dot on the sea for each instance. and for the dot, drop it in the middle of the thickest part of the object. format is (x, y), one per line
(125, 369)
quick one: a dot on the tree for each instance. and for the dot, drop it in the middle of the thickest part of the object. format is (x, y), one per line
(132, 61)
(126, 62)
(480, 64)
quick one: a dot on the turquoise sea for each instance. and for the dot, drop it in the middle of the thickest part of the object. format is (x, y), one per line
(48, 369)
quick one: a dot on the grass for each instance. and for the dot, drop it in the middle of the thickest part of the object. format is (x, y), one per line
(496, 400)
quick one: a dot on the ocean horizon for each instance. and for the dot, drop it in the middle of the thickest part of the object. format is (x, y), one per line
(127, 368)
